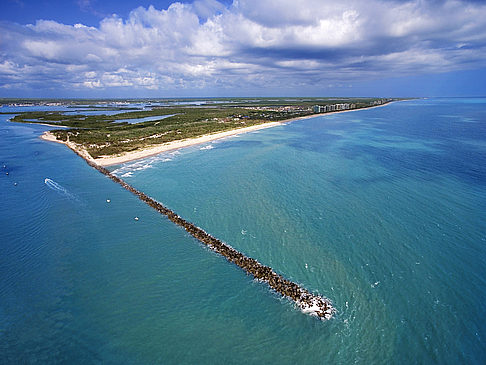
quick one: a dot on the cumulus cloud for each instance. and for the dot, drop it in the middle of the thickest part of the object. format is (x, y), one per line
(282, 43)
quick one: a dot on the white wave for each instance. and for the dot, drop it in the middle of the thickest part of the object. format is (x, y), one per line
(314, 308)
(208, 147)
(144, 167)
(127, 170)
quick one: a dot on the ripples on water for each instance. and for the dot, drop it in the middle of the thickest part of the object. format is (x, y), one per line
(382, 211)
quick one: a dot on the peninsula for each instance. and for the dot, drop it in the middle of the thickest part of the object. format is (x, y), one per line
(110, 133)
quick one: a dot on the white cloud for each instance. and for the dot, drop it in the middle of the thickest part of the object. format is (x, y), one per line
(256, 42)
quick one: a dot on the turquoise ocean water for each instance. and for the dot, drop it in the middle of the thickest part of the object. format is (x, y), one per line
(383, 211)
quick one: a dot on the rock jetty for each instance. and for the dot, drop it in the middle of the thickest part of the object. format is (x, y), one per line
(308, 303)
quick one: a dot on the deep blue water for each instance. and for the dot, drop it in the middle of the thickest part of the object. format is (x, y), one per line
(381, 210)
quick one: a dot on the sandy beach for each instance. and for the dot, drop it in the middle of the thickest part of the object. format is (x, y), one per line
(155, 150)
(48, 136)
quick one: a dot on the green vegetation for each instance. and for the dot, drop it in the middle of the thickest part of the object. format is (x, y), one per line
(102, 135)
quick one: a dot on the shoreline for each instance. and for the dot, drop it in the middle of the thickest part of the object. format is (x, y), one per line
(174, 145)
(48, 136)
(44, 124)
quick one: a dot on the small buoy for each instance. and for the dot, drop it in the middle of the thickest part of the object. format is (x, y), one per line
(15, 184)
(6, 173)
(136, 218)
(108, 200)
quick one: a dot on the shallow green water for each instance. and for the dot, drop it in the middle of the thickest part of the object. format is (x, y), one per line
(382, 211)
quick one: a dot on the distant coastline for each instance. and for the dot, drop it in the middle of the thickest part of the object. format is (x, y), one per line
(174, 145)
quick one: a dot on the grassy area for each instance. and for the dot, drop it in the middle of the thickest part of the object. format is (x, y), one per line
(103, 135)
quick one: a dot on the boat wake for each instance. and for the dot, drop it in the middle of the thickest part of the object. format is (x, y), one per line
(51, 184)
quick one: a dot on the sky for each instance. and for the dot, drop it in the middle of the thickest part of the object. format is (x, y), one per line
(204, 48)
